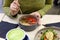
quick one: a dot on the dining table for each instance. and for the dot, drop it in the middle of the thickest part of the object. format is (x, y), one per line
(46, 19)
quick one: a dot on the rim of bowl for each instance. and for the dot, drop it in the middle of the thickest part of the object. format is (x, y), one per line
(26, 16)
(13, 29)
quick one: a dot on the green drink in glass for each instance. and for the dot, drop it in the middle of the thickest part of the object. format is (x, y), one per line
(15, 34)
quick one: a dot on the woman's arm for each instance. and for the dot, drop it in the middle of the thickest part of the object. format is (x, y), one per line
(7, 12)
(6, 3)
(48, 5)
(12, 9)
(6, 6)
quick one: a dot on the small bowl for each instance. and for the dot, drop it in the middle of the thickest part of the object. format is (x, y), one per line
(40, 32)
(13, 34)
(27, 26)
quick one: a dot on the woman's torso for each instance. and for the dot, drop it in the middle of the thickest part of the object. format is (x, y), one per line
(28, 6)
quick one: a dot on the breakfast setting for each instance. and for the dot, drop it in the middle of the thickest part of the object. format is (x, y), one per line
(29, 19)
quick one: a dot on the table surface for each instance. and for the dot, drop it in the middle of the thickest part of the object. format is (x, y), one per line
(45, 20)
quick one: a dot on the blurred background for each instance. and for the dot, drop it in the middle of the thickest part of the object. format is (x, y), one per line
(55, 10)
(1, 10)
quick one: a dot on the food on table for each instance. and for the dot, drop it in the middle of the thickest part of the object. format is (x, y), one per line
(28, 20)
(15, 34)
(49, 34)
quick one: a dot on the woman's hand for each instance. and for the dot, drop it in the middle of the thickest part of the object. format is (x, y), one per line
(14, 7)
(36, 14)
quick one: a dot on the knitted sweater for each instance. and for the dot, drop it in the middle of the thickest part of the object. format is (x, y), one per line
(29, 6)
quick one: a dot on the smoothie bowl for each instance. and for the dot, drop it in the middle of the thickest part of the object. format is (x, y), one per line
(28, 22)
(16, 34)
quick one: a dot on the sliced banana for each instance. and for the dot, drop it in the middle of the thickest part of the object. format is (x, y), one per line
(49, 35)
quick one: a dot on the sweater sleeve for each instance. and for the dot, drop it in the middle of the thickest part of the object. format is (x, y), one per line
(7, 11)
(48, 5)
(6, 7)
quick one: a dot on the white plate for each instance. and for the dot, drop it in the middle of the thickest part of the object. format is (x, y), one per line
(39, 33)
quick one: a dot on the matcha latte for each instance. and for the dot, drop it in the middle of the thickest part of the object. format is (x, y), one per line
(15, 34)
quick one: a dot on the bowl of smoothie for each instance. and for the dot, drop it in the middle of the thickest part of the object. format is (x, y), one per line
(16, 34)
(28, 22)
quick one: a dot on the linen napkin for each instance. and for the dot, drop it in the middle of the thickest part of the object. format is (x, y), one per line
(53, 24)
(5, 27)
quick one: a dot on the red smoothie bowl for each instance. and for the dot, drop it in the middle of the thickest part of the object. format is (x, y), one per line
(28, 22)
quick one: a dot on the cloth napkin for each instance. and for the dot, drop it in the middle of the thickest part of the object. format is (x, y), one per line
(53, 24)
(5, 27)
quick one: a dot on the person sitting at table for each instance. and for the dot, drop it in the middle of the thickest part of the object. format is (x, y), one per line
(35, 7)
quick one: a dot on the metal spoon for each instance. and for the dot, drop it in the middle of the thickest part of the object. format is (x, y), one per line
(20, 11)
